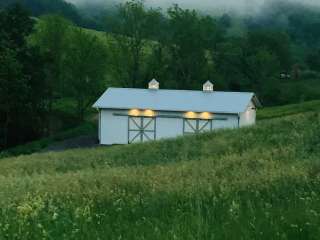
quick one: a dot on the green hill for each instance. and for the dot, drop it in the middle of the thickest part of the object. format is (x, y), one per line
(251, 183)
(42, 7)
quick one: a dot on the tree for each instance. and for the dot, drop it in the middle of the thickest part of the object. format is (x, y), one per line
(313, 60)
(15, 25)
(21, 77)
(191, 37)
(136, 24)
(12, 91)
(274, 41)
(51, 37)
(85, 68)
(243, 66)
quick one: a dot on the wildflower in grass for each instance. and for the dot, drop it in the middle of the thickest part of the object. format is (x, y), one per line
(234, 209)
(55, 216)
(25, 210)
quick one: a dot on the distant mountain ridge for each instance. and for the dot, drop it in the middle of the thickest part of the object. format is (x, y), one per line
(41, 7)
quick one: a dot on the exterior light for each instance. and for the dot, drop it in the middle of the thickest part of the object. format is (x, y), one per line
(191, 115)
(205, 115)
(134, 112)
(148, 113)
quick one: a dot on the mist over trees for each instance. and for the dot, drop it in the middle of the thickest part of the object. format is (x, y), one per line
(242, 7)
(40, 7)
(190, 47)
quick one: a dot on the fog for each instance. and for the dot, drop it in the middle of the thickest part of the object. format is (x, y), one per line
(240, 6)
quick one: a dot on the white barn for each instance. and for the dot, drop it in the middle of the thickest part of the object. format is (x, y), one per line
(129, 115)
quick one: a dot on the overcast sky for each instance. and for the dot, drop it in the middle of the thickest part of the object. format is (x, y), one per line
(243, 6)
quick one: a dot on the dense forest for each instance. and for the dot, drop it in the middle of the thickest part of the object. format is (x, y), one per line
(49, 59)
(61, 7)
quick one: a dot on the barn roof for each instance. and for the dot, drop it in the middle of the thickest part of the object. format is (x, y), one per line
(176, 100)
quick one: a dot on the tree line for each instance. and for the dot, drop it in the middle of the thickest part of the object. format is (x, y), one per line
(42, 61)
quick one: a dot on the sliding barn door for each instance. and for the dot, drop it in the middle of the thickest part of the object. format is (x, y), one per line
(192, 126)
(141, 129)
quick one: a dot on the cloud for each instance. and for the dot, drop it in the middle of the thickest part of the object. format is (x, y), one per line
(241, 6)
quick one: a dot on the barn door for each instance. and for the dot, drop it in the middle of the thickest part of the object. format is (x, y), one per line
(191, 126)
(141, 129)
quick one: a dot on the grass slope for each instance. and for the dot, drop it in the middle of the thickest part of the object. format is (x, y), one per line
(250, 183)
(288, 110)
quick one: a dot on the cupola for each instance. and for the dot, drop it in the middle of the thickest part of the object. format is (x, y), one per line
(154, 84)
(208, 87)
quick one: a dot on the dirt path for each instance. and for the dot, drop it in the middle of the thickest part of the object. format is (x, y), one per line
(88, 141)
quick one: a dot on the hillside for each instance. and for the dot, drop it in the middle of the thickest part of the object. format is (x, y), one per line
(89, 128)
(251, 183)
(41, 7)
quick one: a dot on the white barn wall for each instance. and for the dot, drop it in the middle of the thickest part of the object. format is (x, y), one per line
(248, 117)
(232, 121)
(169, 127)
(114, 129)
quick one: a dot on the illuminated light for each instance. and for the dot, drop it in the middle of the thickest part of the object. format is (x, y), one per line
(205, 115)
(134, 112)
(191, 115)
(148, 113)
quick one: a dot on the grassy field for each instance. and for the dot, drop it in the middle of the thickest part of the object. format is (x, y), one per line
(251, 183)
(288, 110)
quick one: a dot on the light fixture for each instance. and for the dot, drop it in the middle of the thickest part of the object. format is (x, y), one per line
(191, 115)
(149, 113)
(134, 112)
(205, 115)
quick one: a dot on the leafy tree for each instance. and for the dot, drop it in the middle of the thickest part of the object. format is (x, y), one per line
(51, 37)
(274, 41)
(191, 36)
(85, 68)
(12, 92)
(313, 60)
(21, 80)
(134, 26)
(243, 66)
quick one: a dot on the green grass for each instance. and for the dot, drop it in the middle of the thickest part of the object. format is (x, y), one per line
(287, 110)
(251, 183)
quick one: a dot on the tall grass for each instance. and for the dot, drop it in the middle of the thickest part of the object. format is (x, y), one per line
(251, 183)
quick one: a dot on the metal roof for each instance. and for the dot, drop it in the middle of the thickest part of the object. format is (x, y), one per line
(176, 100)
